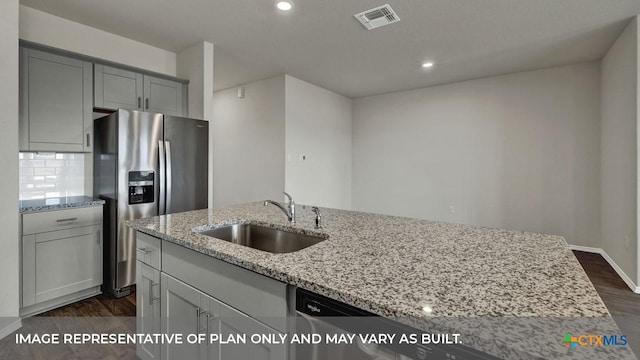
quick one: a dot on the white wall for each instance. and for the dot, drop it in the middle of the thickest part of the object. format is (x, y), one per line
(196, 63)
(46, 29)
(318, 125)
(249, 143)
(518, 151)
(9, 250)
(619, 136)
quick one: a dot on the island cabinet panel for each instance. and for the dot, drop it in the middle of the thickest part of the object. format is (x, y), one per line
(235, 324)
(60, 263)
(55, 103)
(148, 297)
(203, 295)
(186, 310)
(228, 283)
(147, 308)
(183, 310)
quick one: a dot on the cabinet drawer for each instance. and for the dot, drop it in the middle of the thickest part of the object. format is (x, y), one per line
(148, 249)
(61, 219)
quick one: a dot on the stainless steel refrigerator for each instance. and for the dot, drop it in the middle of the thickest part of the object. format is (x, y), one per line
(145, 164)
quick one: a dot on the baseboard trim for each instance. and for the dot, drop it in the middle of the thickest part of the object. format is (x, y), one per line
(7, 330)
(635, 288)
(586, 249)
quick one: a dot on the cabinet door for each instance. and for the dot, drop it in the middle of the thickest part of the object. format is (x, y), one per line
(147, 308)
(117, 88)
(164, 96)
(233, 322)
(55, 102)
(182, 313)
(59, 263)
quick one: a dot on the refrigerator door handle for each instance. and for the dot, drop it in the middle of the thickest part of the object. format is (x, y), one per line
(168, 181)
(161, 178)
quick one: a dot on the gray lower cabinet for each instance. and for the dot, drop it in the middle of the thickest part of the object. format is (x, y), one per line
(147, 308)
(233, 322)
(118, 88)
(203, 295)
(61, 258)
(186, 310)
(55, 103)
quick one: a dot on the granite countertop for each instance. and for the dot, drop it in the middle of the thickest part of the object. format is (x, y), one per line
(395, 267)
(59, 203)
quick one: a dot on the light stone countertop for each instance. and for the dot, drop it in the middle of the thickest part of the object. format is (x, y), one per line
(394, 266)
(59, 203)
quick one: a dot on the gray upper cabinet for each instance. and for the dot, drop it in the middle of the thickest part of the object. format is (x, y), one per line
(118, 88)
(55, 103)
(164, 96)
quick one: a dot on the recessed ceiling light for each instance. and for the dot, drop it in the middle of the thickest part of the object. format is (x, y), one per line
(284, 5)
(427, 65)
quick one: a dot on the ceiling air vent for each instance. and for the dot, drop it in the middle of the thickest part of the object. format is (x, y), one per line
(377, 17)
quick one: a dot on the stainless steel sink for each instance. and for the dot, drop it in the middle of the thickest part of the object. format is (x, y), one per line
(264, 238)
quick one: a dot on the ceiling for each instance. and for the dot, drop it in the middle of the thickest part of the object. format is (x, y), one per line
(321, 42)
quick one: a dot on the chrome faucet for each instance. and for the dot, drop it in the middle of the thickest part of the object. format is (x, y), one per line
(290, 210)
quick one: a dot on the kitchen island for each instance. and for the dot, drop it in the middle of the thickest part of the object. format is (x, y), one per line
(415, 271)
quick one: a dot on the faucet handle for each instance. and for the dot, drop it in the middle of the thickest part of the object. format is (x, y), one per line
(316, 210)
(289, 197)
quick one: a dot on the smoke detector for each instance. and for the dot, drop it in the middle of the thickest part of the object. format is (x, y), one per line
(377, 17)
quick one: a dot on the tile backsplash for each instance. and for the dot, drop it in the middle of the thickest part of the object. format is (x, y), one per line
(47, 175)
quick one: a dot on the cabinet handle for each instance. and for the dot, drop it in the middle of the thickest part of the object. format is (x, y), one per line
(88, 140)
(146, 102)
(209, 318)
(199, 312)
(139, 102)
(65, 220)
(151, 298)
(144, 251)
(98, 239)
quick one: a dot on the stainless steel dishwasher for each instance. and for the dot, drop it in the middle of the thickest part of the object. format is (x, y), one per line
(316, 314)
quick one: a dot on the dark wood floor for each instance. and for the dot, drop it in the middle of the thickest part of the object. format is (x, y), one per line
(118, 316)
(615, 293)
(100, 305)
(96, 315)
(623, 304)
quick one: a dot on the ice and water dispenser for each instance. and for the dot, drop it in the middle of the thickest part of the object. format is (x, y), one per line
(141, 187)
